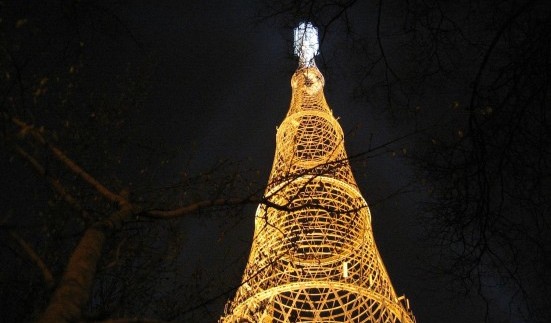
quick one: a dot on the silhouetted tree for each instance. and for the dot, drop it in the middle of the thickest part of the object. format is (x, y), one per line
(88, 232)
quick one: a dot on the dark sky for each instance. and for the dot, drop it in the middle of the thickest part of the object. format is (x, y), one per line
(220, 82)
(223, 83)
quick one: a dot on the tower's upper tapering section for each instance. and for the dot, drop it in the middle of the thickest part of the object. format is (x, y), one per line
(306, 44)
(309, 141)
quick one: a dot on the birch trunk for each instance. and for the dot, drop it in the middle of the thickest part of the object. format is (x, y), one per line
(73, 290)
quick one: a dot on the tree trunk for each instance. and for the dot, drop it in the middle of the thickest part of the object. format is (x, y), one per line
(73, 290)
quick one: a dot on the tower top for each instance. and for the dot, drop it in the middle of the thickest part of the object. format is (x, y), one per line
(306, 44)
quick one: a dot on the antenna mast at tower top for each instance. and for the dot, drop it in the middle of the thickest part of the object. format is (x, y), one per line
(306, 44)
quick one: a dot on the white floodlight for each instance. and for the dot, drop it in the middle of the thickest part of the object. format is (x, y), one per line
(306, 43)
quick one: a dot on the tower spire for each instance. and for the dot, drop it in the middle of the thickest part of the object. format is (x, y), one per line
(306, 44)
(313, 257)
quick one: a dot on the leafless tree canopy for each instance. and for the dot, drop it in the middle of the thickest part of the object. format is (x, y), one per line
(89, 231)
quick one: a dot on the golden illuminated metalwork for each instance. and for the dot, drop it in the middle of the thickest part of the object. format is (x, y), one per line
(313, 257)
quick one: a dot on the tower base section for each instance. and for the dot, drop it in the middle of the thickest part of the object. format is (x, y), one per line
(319, 301)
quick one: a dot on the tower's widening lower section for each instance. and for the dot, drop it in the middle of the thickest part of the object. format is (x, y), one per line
(313, 257)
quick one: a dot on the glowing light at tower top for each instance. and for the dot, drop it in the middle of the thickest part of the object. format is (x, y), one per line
(306, 44)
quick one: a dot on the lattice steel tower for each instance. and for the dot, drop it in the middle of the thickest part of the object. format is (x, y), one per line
(313, 257)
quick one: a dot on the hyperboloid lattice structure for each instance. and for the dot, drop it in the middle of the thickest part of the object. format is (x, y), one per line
(313, 257)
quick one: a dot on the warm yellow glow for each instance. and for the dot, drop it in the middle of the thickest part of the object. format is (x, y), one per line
(313, 258)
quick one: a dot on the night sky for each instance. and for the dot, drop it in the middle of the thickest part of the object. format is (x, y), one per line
(219, 84)
(223, 83)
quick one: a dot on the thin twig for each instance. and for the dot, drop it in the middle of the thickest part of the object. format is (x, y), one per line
(35, 258)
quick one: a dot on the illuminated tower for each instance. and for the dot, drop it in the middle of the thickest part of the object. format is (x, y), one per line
(313, 257)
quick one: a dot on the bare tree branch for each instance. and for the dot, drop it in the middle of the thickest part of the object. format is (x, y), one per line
(70, 164)
(54, 182)
(35, 258)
